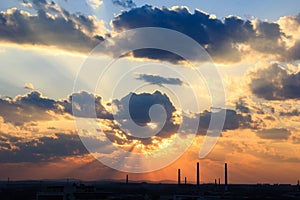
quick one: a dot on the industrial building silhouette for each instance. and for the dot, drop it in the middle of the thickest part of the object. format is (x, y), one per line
(133, 190)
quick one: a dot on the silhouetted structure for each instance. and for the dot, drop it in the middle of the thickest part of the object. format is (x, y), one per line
(127, 179)
(219, 181)
(178, 176)
(198, 174)
(112, 190)
(184, 180)
(226, 177)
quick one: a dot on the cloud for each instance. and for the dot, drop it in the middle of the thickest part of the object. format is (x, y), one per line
(43, 149)
(157, 54)
(269, 30)
(27, 108)
(124, 3)
(226, 40)
(45, 146)
(94, 3)
(29, 86)
(37, 100)
(36, 3)
(139, 106)
(34, 107)
(291, 113)
(159, 80)
(133, 119)
(241, 106)
(274, 134)
(233, 121)
(290, 25)
(50, 26)
(293, 53)
(269, 39)
(275, 83)
(85, 105)
(198, 25)
(221, 38)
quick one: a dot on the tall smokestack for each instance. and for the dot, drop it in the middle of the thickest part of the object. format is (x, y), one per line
(127, 179)
(198, 174)
(184, 180)
(226, 177)
(178, 176)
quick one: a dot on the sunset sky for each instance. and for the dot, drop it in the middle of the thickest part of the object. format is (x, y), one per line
(252, 47)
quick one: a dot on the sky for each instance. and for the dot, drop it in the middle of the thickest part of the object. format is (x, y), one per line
(97, 89)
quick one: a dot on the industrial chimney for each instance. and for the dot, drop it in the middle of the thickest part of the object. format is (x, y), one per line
(198, 174)
(127, 179)
(178, 176)
(226, 177)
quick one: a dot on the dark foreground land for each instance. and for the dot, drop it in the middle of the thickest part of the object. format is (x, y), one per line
(50, 190)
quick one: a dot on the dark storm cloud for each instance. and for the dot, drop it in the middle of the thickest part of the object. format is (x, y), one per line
(34, 107)
(269, 30)
(275, 83)
(159, 80)
(31, 107)
(51, 26)
(55, 26)
(268, 39)
(139, 108)
(124, 3)
(199, 26)
(140, 104)
(241, 106)
(220, 37)
(233, 121)
(85, 105)
(35, 99)
(291, 113)
(274, 134)
(157, 54)
(42, 149)
(51, 7)
(139, 111)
